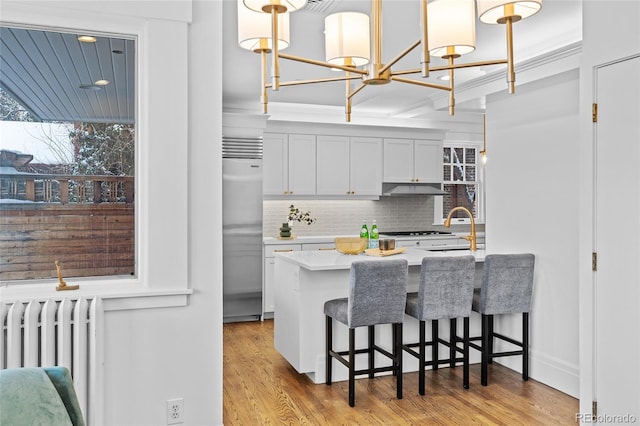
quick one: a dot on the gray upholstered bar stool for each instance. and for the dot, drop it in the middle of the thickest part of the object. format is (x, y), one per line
(507, 286)
(377, 295)
(445, 292)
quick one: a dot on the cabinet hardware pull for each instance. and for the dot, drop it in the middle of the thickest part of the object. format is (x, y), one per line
(282, 250)
(327, 248)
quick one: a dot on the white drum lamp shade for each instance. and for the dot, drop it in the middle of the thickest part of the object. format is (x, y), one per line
(346, 37)
(280, 5)
(452, 27)
(254, 29)
(491, 11)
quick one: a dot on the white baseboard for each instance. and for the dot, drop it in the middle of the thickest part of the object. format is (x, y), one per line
(549, 370)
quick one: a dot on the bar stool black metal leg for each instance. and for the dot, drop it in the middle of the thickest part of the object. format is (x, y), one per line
(490, 359)
(465, 353)
(352, 367)
(525, 346)
(421, 359)
(370, 350)
(329, 348)
(485, 350)
(434, 343)
(453, 325)
(393, 345)
(398, 358)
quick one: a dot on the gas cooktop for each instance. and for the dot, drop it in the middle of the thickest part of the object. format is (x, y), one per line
(413, 233)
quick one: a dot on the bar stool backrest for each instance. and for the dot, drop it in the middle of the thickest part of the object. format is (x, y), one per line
(446, 287)
(507, 284)
(377, 292)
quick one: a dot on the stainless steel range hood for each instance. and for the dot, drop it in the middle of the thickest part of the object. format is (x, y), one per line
(411, 189)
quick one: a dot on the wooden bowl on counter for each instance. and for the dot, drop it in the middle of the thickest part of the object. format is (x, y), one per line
(351, 245)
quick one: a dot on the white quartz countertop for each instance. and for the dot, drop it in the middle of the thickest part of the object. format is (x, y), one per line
(331, 238)
(332, 260)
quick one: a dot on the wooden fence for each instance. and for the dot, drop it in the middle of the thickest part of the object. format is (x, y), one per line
(85, 222)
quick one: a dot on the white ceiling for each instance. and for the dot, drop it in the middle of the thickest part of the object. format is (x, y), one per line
(557, 24)
(44, 71)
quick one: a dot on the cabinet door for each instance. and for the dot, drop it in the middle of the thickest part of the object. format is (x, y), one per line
(275, 164)
(302, 165)
(268, 298)
(268, 282)
(333, 165)
(365, 166)
(428, 161)
(398, 160)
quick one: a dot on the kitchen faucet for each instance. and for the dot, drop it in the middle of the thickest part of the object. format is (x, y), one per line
(472, 237)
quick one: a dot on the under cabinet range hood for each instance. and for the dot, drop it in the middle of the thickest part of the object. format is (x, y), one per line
(411, 189)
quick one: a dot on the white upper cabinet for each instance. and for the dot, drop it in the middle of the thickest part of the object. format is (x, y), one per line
(275, 164)
(409, 160)
(302, 164)
(427, 161)
(333, 165)
(366, 166)
(289, 164)
(349, 166)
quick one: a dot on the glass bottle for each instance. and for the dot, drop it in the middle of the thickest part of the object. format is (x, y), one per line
(364, 231)
(373, 237)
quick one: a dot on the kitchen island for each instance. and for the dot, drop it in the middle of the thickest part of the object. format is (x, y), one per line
(307, 279)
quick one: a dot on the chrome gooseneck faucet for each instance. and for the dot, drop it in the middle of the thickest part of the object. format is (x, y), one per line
(472, 237)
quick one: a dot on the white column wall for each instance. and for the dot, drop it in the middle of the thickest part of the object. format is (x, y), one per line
(162, 353)
(532, 206)
(610, 32)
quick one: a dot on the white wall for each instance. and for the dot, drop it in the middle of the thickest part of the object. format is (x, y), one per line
(603, 42)
(532, 206)
(161, 353)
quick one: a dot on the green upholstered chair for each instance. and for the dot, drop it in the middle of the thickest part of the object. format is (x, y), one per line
(38, 396)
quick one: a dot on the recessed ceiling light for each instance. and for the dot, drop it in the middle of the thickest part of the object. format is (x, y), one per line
(101, 82)
(87, 39)
(90, 87)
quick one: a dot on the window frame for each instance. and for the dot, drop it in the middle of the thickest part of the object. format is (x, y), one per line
(479, 182)
(161, 251)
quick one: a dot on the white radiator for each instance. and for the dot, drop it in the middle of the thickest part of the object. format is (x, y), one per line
(67, 332)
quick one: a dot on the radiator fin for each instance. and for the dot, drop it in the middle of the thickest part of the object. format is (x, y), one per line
(67, 332)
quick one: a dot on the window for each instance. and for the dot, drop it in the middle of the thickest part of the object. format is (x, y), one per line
(67, 181)
(461, 179)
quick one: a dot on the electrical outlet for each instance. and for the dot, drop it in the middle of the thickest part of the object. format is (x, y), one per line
(175, 411)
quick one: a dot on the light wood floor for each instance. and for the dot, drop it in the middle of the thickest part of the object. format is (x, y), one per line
(261, 388)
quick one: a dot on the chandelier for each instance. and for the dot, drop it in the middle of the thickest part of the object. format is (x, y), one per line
(354, 46)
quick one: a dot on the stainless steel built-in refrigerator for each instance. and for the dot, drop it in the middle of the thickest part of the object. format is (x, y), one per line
(242, 229)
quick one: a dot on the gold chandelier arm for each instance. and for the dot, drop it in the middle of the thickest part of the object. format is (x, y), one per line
(352, 94)
(321, 63)
(456, 66)
(275, 64)
(347, 104)
(400, 56)
(263, 63)
(470, 65)
(420, 83)
(426, 57)
(318, 80)
(511, 74)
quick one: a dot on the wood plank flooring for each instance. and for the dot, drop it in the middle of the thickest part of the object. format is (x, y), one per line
(261, 388)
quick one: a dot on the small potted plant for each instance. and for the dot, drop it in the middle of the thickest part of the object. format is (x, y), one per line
(295, 215)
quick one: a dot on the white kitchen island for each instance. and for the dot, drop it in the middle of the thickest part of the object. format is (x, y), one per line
(305, 280)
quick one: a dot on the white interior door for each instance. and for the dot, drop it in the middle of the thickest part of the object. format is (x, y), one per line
(617, 234)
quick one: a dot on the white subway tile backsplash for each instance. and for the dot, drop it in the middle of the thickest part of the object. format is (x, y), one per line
(337, 217)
